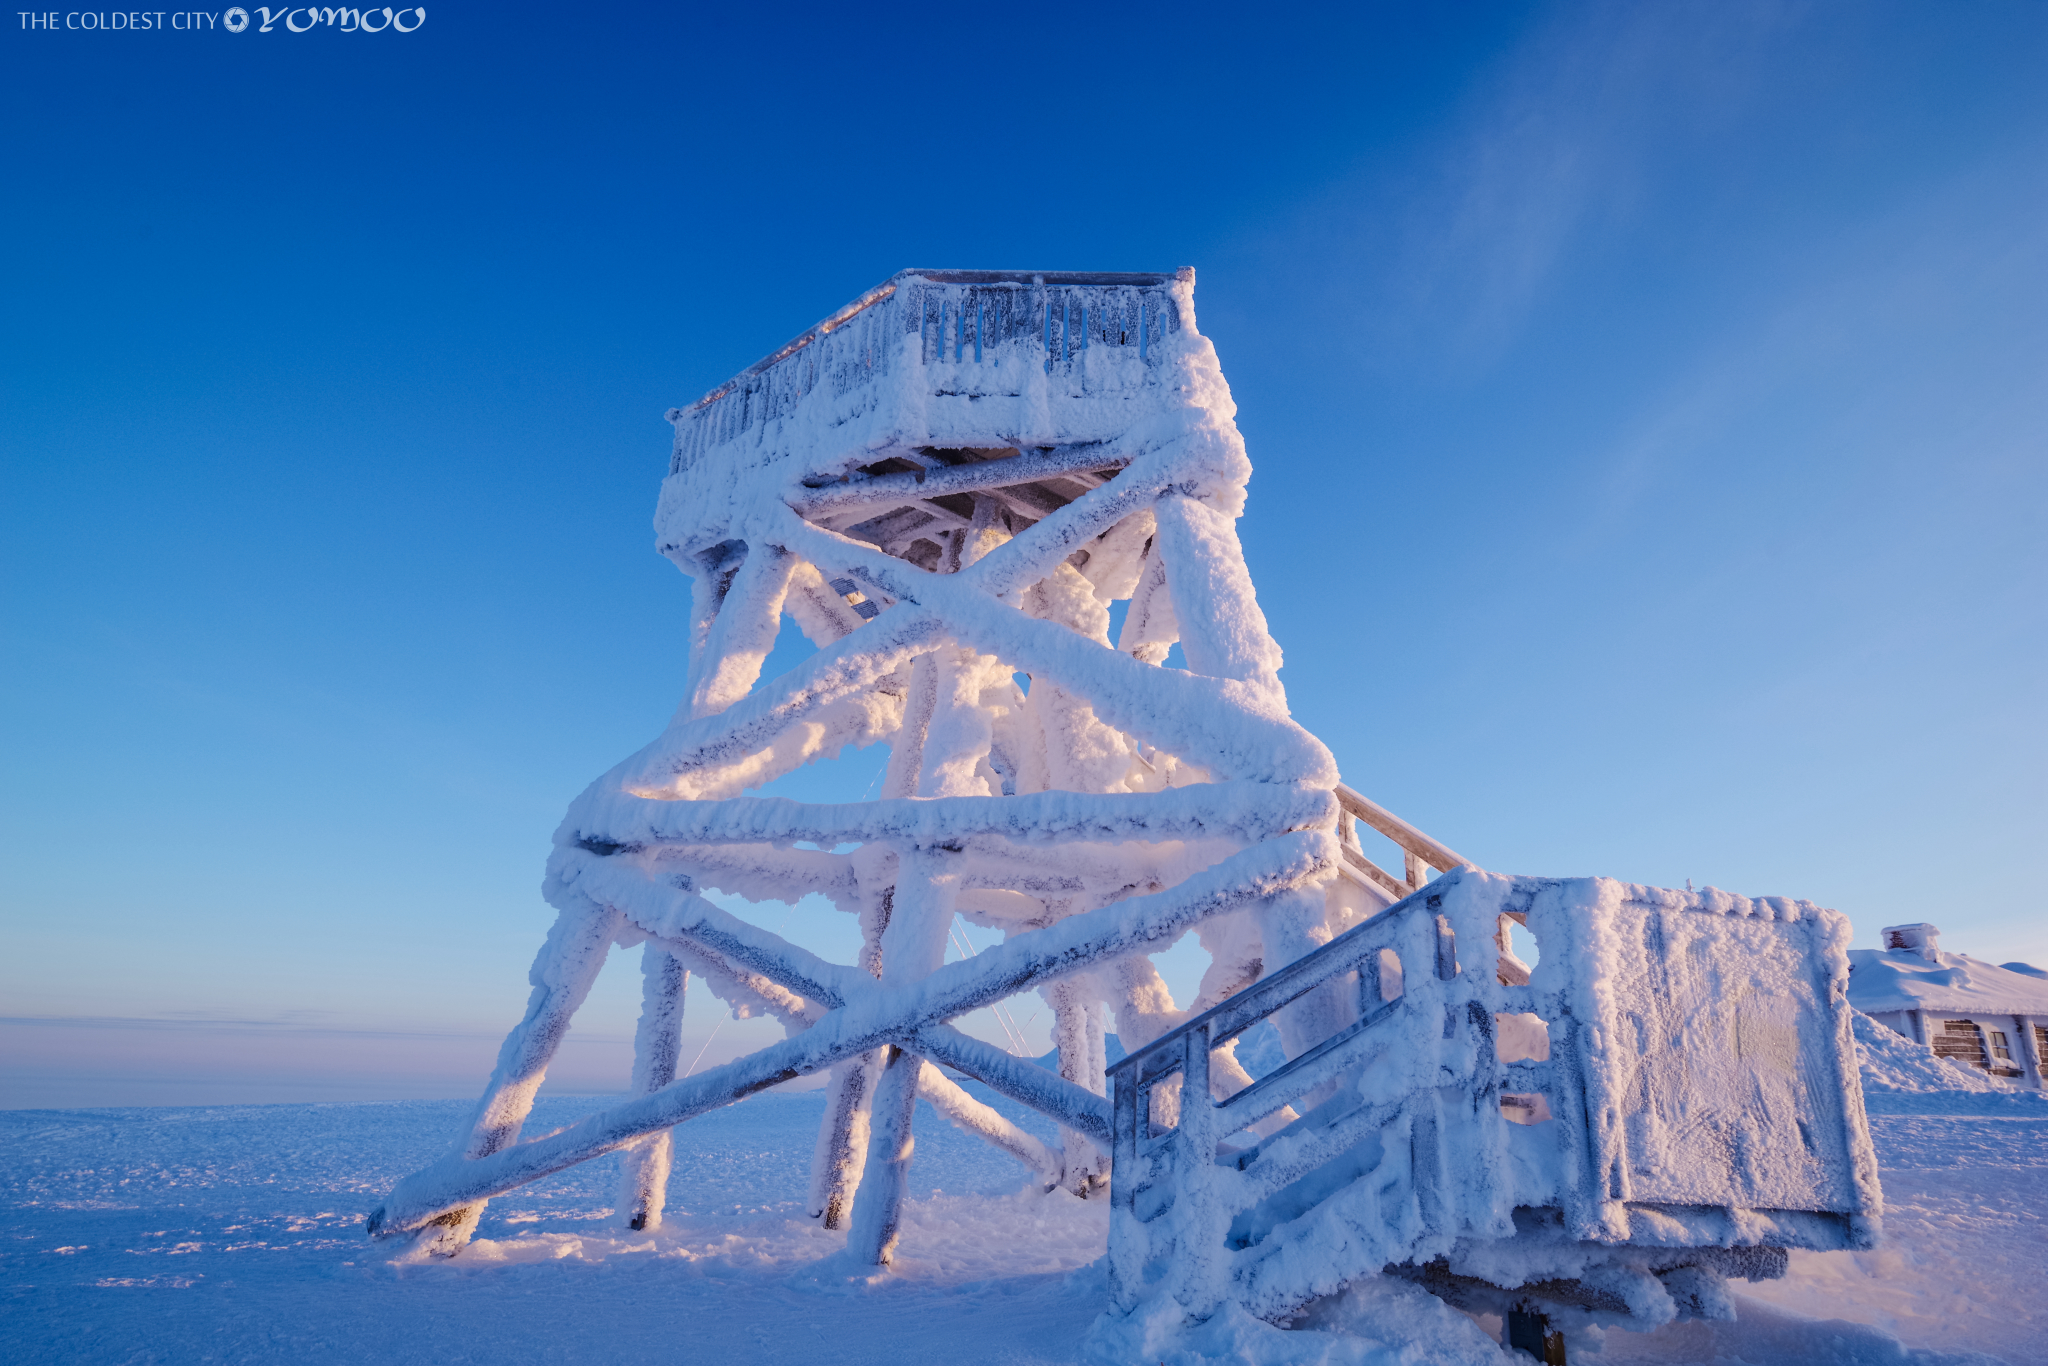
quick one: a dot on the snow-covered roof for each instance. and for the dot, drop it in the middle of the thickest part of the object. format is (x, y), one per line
(1952, 983)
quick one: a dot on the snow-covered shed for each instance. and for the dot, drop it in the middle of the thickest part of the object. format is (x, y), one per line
(1989, 1016)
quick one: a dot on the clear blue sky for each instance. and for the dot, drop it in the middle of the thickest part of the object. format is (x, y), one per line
(1648, 404)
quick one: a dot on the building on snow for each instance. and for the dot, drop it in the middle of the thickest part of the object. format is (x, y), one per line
(1993, 1017)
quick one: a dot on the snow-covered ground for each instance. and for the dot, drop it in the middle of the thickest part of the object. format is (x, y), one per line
(234, 1234)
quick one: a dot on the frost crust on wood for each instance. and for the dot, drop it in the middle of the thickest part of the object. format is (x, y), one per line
(947, 485)
(1670, 1098)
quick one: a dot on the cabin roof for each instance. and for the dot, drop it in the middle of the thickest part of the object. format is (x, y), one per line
(1949, 983)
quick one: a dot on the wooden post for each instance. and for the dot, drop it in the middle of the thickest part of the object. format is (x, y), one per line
(643, 1179)
(842, 1148)
(845, 1135)
(561, 975)
(1126, 1235)
(1527, 1329)
(1071, 1017)
(841, 1152)
(1206, 1220)
(878, 1203)
(913, 948)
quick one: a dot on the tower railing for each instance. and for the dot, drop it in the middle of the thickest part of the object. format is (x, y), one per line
(970, 326)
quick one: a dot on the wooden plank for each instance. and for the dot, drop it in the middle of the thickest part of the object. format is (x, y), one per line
(868, 529)
(1436, 855)
(1226, 1019)
(974, 478)
(1355, 860)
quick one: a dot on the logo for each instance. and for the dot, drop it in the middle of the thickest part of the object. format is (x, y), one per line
(348, 20)
(236, 19)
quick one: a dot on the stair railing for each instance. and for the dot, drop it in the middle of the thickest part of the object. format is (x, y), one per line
(1419, 853)
(1184, 1199)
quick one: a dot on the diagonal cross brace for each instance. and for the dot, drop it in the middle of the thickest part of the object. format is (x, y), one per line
(1018, 1078)
(1175, 710)
(669, 913)
(907, 1016)
(1261, 744)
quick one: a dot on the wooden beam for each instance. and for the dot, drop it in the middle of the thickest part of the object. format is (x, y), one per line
(982, 475)
(1357, 863)
(1438, 856)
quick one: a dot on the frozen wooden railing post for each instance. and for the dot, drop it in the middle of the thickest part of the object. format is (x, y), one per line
(946, 484)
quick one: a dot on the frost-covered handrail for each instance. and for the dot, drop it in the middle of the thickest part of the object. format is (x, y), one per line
(1357, 949)
(1625, 1096)
(1421, 853)
(1175, 1166)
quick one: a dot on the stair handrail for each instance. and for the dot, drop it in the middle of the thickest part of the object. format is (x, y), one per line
(1420, 852)
(1202, 1122)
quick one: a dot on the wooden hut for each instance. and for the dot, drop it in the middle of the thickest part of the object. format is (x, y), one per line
(1993, 1017)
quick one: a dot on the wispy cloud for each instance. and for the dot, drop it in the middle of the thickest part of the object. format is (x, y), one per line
(1554, 149)
(1913, 337)
(1439, 261)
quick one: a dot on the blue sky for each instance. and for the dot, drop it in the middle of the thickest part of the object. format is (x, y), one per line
(1647, 402)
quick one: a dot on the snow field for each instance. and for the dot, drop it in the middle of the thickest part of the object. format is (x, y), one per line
(234, 1234)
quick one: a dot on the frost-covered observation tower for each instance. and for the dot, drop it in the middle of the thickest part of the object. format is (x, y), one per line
(948, 484)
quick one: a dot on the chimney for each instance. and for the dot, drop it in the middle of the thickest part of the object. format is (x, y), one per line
(1924, 940)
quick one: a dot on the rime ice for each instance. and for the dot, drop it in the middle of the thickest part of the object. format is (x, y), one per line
(947, 485)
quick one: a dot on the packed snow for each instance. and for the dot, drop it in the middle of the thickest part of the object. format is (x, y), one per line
(1895, 1065)
(234, 1234)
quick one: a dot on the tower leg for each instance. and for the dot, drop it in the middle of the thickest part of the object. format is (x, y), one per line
(1293, 925)
(643, 1181)
(841, 1153)
(1098, 1082)
(561, 975)
(878, 1204)
(1077, 1032)
(843, 1138)
(913, 947)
